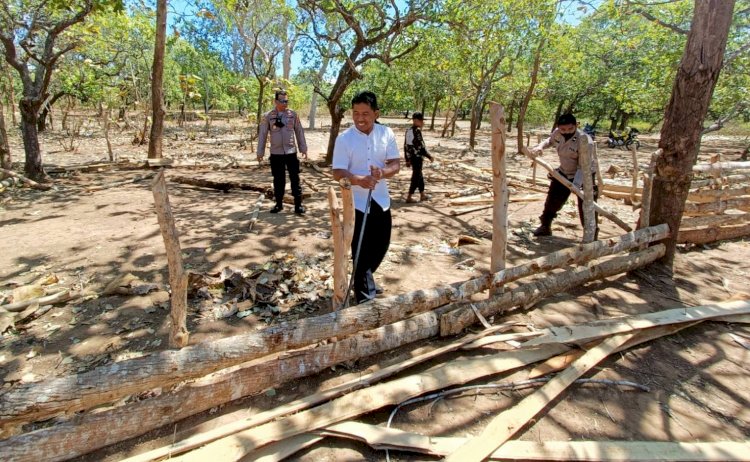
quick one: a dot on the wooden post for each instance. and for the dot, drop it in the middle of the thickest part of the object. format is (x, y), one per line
(599, 177)
(648, 181)
(634, 188)
(533, 173)
(339, 252)
(178, 279)
(589, 214)
(500, 189)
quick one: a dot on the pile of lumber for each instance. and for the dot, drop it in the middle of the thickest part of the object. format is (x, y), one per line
(718, 204)
(184, 382)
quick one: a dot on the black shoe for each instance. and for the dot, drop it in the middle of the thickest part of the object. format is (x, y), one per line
(277, 208)
(299, 210)
(543, 230)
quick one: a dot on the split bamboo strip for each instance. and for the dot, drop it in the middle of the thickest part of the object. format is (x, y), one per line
(29, 402)
(382, 438)
(564, 181)
(526, 295)
(178, 278)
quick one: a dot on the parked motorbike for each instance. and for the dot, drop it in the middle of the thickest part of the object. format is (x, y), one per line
(624, 139)
(589, 130)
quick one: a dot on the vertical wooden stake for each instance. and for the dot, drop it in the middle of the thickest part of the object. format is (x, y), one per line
(500, 189)
(178, 280)
(339, 252)
(585, 157)
(648, 182)
(634, 188)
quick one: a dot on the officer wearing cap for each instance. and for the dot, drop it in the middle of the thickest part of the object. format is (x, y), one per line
(283, 125)
(571, 143)
(414, 152)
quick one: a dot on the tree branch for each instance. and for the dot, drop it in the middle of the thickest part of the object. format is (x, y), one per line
(658, 21)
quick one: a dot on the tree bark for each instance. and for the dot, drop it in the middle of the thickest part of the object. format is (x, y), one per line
(157, 82)
(314, 97)
(500, 189)
(33, 167)
(5, 158)
(685, 113)
(523, 107)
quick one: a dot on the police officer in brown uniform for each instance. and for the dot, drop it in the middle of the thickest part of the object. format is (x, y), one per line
(283, 125)
(570, 143)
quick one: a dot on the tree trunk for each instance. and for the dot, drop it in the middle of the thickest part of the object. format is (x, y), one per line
(157, 82)
(33, 167)
(510, 115)
(5, 160)
(259, 108)
(314, 97)
(434, 114)
(624, 121)
(529, 93)
(683, 118)
(337, 115)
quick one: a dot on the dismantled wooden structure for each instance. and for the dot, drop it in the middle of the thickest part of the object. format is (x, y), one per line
(89, 411)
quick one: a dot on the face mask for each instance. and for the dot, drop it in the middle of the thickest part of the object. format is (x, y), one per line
(568, 136)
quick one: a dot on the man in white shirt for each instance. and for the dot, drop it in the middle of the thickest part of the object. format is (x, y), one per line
(366, 154)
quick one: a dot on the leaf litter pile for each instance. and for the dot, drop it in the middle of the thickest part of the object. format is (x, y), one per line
(290, 285)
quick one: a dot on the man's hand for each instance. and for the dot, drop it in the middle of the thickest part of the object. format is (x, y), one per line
(260, 159)
(304, 155)
(536, 151)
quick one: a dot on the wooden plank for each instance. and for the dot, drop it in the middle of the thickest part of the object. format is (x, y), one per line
(308, 401)
(340, 261)
(367, 400)
(178, 279)
(461, 315)
(382, 438)
(712, 234)
(581, 333)
(720, 206)
(507, 423)
(721, 167)
(276, 452)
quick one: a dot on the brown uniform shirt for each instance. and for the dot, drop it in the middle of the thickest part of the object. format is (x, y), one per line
(282, 138)
(570, 150)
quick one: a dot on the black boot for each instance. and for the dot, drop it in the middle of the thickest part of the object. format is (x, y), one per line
(277, 208)
(545, 229)
(298, 209)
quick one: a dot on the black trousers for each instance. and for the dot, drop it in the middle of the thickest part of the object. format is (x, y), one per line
(557, 194)
(280, 163)
(417, 179)
(375, 244)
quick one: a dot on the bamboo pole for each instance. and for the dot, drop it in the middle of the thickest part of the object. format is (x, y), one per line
(500, 191)
(564, 181)
(178, 279)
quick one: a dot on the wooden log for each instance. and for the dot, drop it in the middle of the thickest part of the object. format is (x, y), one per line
(381, 438)
(508, 422)
(615, 187)
(90, 431)
(719, 182)
(255, 212)
(33, 401)
(712, 195)
(116, 184)
(717, 207)
(28, 182)
(564, 181)
(712, 234)
(500, 191)
(307, 402)
(634, 185)
(229, 185)
(618, 195)
(528, 294)
(467, 192)
(178, 279)
(714, 220)
(340, 262)
(720, 167)
(363, 401)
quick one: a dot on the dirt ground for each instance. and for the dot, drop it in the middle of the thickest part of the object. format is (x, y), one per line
(88, 236)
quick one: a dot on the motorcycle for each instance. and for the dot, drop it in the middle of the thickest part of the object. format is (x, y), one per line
(624, 139)
(589, 130)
